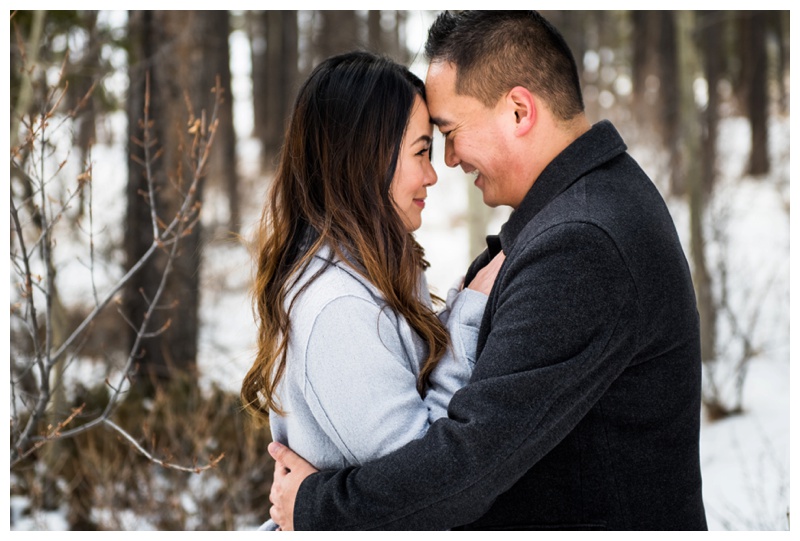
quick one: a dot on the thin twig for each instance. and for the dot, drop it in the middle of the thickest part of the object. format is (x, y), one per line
(52, 434)
(195, 469)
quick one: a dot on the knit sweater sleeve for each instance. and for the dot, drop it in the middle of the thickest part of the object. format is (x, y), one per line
(462, 317)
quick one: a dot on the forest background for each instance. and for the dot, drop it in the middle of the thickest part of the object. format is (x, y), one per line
(142, 147)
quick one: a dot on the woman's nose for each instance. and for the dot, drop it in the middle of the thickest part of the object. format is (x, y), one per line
(431, 177)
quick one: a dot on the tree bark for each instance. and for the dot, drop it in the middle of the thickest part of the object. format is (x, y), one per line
(711, 46)
(172, 47)
(781, 28)
(669, 93)
(692, 175)
(386, 39)
(757, 99)
(645, 64)
(257, 24)
(375, 38)
(275, 80)
(339, 32)
(215, 26)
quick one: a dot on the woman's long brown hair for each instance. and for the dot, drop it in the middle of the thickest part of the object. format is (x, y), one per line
(332, 188)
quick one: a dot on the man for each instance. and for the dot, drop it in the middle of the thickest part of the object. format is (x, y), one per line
(583, 411)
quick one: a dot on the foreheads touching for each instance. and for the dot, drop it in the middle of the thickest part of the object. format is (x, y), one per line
(494, 51)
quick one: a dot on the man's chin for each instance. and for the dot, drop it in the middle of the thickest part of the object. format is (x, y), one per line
(489, 201)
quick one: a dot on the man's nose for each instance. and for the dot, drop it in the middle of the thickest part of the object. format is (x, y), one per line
(450, 157)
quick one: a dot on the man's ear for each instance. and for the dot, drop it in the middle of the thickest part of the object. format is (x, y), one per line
(522, 103)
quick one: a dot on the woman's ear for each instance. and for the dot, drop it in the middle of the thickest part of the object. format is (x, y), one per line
(522, 103)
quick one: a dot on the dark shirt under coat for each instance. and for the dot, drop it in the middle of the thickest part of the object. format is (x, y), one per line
(583, 411)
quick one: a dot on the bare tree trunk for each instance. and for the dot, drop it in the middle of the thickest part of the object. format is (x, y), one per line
(170, 48)
(375, 35)
(275, 81)
(692, 174)
(670, 92)
(291, 54)
(757, 100)
(399, 50)
(257, 24)
(385, 31)
(641, 36)
(645, 65)
(274, 87)
(83, 80)
(710, 33)
(780, 21)
(339, 32)
(743, 42)
(24, 96)
(215, 26)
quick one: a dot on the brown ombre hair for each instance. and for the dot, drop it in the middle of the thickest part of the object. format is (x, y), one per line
(332, 188)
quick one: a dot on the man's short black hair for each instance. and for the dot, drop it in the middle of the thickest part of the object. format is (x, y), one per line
(494, 51)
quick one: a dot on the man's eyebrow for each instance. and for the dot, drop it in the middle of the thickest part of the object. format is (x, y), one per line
(436, 121)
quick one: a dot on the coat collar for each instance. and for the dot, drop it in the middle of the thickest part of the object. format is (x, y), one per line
(592, 149)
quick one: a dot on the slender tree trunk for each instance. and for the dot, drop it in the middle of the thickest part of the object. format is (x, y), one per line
(385, 30)
(279, 79)
(645, 65)
(640, 60)
(757, 100)
(215, 26)
(572, 25)
(744, 47)
(399, 50)
(23, 97)
(172, 48)
(339, 32)
(291, 55)
(274, 88)
(670, 92)
(257, 24)
(83, 79)
(692, 173)
(781, 26)
(375, 35)
(711, 45)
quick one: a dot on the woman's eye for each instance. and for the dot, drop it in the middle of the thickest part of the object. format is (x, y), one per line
(423, 151)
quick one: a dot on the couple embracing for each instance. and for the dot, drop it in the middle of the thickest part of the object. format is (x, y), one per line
(558, 388)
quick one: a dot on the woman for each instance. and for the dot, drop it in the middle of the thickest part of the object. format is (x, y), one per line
(352, 360)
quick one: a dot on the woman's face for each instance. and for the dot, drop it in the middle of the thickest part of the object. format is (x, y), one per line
(414, 171)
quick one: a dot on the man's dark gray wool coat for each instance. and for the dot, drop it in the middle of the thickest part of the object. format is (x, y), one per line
(584, 408)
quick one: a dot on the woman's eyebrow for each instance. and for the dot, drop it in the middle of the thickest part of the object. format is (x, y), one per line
(424, 138)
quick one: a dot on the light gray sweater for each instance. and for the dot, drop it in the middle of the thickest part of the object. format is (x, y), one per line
(349, 391)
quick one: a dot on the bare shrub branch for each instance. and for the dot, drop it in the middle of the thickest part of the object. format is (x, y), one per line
(38, 288)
